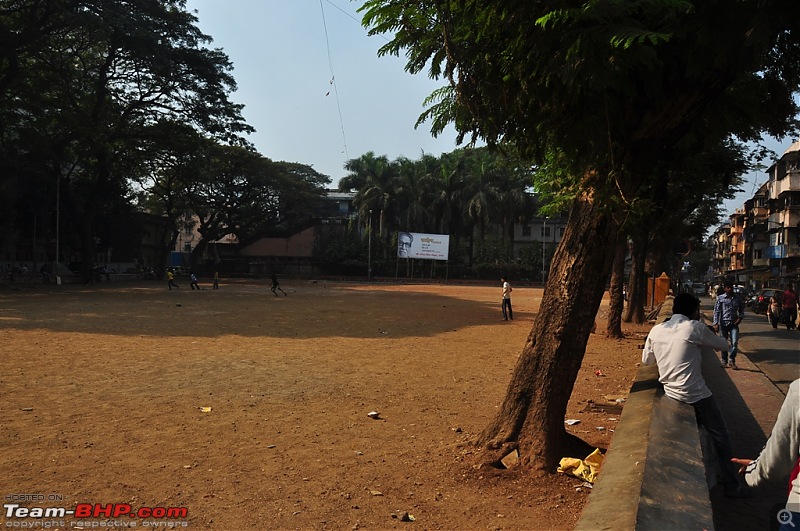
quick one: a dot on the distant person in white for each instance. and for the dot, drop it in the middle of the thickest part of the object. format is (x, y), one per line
(676, 346)
(404, 240)
(508, 312)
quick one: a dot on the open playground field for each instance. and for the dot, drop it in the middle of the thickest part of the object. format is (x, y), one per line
(251, 411)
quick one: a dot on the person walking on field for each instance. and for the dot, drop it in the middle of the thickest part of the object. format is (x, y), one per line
(728, 313)
(275, 286)
(171, 280)
(508, 313)
(676, 346)
(216, 280)
(193, 282)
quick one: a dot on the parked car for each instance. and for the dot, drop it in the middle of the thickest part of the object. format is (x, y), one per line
(699, 289)
(761, 301)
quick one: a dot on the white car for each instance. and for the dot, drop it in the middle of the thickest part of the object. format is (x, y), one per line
(699, 289)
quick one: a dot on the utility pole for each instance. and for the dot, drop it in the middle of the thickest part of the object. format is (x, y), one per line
(369, 247)
(544, 246)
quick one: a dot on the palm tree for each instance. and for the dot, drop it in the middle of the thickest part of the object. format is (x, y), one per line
(445, 181)
(412, 195)
(510, 183)
(374, 179)
(482, 194)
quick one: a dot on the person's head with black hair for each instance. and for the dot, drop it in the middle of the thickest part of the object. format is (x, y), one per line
(686, 304)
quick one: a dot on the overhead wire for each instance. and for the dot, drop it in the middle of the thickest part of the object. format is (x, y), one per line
(343, 11)
(333, 79)
(354, 18)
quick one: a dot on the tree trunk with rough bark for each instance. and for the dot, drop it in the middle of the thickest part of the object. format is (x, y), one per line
(531, 417)
(637, 287)
(617, 302)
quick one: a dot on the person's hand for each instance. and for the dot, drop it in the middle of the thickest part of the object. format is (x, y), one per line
(742, 463)
(716, 328)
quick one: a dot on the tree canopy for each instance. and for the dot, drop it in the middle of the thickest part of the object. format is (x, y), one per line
(603, 92)
(98, 97)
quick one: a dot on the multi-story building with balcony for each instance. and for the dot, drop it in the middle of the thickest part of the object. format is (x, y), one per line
(761, 242)
(783, 224)
(756, 262)
(721, 259)
(736, 241)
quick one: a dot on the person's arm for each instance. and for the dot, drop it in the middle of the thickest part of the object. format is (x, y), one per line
(708, 338)
(775, 462)
(648, 355)
(717, 311)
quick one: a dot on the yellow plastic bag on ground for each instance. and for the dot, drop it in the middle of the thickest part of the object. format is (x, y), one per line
(586, 469)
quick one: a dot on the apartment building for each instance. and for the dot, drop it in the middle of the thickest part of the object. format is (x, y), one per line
(760, 245)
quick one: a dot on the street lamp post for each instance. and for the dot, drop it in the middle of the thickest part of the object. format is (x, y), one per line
(369, 247)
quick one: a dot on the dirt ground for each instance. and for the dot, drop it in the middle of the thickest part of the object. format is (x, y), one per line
(102, 394)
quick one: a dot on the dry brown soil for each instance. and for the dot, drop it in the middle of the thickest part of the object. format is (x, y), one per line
(102, 388)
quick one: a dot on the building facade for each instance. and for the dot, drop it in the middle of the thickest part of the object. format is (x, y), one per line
(760, 245)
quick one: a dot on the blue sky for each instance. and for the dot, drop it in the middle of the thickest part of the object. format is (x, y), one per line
(283, 65)
(283, 71)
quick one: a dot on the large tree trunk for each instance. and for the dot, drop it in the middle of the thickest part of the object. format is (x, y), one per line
(637, 288)
(531, 417)
(617, 303)
(196, 258)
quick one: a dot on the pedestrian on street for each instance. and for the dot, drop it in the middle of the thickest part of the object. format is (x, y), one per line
(779, 461)
(774, 309)
(676, 346)
(728, 314)
(789, 316)
(508, 312)
(275, 286)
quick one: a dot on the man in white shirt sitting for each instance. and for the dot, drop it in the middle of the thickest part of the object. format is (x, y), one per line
(676, 347)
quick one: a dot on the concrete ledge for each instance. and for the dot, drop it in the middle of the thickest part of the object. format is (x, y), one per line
(674, 491)
(653, 475)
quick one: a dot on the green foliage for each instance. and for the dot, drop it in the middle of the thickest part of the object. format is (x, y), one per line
(87, 87)
(530, 256)
(125, 106)
(601, 95)
(452, 194)
(493, 252)
(347, 254)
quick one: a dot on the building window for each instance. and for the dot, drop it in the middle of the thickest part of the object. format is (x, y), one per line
(526, 230)
(545, 232)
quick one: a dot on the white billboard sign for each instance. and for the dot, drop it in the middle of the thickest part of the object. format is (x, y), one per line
(424, 246)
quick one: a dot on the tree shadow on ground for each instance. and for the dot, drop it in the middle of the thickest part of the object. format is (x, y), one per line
(310, 310)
